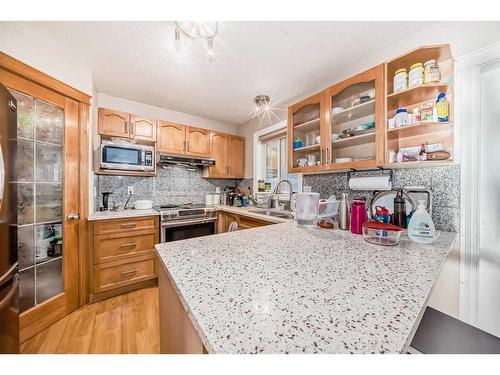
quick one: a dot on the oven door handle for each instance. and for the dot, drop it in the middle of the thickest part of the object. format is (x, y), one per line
(181, 223)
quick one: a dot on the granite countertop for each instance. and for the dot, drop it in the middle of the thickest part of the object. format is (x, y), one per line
(287, 289)
(122, 214)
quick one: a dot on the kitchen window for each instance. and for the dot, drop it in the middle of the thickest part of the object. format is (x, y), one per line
(271, 158)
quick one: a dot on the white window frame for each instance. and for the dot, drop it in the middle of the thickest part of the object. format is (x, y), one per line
(259, 153)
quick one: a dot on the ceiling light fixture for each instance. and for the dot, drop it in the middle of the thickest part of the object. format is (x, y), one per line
(193, 30)
(262, 105)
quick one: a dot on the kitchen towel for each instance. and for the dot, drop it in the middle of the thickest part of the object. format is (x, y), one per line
(370, 183)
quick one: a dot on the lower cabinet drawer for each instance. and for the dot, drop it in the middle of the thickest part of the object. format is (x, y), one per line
(124, 225)
(113, 275)
(115, 247)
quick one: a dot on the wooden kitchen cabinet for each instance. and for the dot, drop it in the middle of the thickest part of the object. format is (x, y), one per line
(125, 125)
(171, 138)
(197, 142)
(353, 103)
(236, 157)
(113, 123)
(183, 140)
(142, 128)
(228, 151)
(307, 122)
(122, 255)
(219, 153)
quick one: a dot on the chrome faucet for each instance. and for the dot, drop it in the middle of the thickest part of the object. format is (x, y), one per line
(276, 191)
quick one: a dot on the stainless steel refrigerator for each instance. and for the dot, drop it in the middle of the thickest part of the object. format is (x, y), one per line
(9, 278)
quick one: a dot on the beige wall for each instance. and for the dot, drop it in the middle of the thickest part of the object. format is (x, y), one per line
(464, 37)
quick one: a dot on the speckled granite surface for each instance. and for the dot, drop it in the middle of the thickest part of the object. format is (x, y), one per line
(122, 214)
(285, 289)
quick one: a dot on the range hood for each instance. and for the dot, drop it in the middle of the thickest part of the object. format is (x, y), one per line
(185, 161)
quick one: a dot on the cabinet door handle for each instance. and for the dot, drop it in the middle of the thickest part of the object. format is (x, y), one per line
(132, 225)
(129, 273)
(126, 126)
(321, 156)
(133, 244)
(187, 145)
(132, 126)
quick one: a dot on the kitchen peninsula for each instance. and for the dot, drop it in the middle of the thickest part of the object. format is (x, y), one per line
(286, 289)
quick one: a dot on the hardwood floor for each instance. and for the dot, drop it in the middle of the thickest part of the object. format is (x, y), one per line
(126, 324)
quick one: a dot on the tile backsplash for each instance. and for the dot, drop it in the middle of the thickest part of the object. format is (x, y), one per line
(443, 182)
(175, 185)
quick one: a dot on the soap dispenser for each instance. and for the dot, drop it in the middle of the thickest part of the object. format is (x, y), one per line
(421, 227)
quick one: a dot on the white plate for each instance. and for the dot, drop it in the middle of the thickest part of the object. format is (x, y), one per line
(343, 160)
(337, 109)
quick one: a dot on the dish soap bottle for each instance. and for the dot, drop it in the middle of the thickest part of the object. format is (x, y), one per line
(421, 227)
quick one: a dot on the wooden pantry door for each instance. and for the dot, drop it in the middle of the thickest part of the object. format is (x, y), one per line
(51, 152)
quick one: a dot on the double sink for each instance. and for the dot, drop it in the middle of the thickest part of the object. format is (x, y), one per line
(280, 214)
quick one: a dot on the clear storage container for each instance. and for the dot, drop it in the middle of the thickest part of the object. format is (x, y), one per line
(381, 234)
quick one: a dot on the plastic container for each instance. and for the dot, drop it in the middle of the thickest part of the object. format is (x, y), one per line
(431, 72)
(400, 82)
(421, 227)
(306, 206)
(328, 208)
(401, 117)
(381, 233)
(442, 108)
(416, 75)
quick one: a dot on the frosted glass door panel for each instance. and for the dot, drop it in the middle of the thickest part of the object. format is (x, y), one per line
(40, 199)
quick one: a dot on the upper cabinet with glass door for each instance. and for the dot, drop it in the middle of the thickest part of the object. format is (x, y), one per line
(355, 117)
(306, 143)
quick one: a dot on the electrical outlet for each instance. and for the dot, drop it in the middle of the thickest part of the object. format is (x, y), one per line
(130, 190)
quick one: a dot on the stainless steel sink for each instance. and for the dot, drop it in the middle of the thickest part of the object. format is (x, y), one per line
(281, 214)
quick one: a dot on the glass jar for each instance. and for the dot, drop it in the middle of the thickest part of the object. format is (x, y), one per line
(416, 75)
(431, 72)
(400, 80)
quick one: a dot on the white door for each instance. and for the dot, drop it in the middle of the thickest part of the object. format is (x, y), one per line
(488, 296)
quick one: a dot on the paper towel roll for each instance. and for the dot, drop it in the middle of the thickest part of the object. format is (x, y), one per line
(371, 183)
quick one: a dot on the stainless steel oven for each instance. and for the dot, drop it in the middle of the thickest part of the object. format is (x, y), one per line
(185, 222)
(126, 156)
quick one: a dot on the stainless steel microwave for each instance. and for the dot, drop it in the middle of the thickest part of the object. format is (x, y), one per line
(127, 156)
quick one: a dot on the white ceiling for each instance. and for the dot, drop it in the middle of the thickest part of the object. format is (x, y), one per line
(138, 61)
